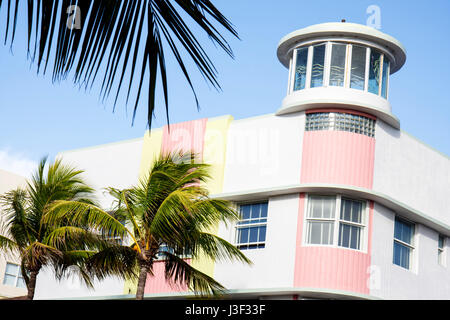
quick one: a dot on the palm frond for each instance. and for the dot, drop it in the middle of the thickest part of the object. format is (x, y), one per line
(17, 222)
(215, 248)
(179, 271)
(7, 245)
(119, 261)
(123, 39)
(86, 215)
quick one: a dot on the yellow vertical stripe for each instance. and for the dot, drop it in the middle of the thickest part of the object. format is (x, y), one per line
(214, 153)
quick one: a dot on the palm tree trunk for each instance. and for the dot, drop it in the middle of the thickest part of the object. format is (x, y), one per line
(141, 282)
(31, 286)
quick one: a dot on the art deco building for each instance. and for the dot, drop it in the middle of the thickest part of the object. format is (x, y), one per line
(336, 200)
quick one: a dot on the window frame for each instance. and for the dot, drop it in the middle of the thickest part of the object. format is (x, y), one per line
(411, 246)
(237, 226)
(16, 276)
(365, 214)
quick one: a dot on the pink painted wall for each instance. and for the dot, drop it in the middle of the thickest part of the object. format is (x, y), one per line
(331, 268)
(158, 284)
(338, 157)
(185, 136)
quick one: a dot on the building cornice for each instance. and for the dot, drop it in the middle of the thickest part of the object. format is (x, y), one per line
(356, 192)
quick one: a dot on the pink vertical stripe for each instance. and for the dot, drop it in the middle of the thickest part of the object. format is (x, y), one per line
(185, 136)
(338, 157)
(330, 267)
(158, 284)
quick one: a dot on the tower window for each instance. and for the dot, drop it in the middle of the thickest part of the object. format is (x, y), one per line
(340, 64)
(318, 64)
(300, 69)
(337, 67)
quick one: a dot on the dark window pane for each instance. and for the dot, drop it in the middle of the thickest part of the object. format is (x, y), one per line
(441, 242)
(358, 72)
(254, 234)
(243, 235)
(318, 66)
(403, 231)
(262, 234)
(385, 77)
(300, 69)
(351, 210)
(256, 211)
(374, 71)
(264, 207)
(401, 255)
(245, 211)
(349, 236)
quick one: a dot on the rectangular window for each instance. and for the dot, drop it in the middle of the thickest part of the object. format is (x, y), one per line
(358, 71)
(334, 220)
(300, 69)
(320, 219)
(13, 276)
(318, 63)
(251, 229)
(337, 67)
(403, 243)
(351, 223)
(374, 72)
(441, 250)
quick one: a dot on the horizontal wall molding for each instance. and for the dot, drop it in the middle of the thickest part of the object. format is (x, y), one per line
(356, 192)
(319, 293)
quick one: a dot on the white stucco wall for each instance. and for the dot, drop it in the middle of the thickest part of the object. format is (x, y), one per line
(427, 279)
(273, 266)
(264, 152)
(111, 165)
(411, 172)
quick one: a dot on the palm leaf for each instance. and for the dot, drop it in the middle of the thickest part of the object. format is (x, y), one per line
(177, 270)
(122, 38)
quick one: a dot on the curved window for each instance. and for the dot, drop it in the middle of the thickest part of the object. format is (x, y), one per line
(358, 70)
(340, 64)
(340, 122)
(374, 72)
(337, 66)
(318, 65)
(300, 69)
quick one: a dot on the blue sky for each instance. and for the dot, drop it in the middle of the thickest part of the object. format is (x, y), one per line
(38, 117)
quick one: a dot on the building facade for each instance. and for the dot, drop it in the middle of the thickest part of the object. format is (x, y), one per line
(11, 281)
(336, 200)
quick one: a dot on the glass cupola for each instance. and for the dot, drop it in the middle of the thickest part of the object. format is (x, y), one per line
(342, 65)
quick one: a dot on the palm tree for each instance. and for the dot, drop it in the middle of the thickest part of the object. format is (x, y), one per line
(37, 244)
(124, 37)
(166, 216)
